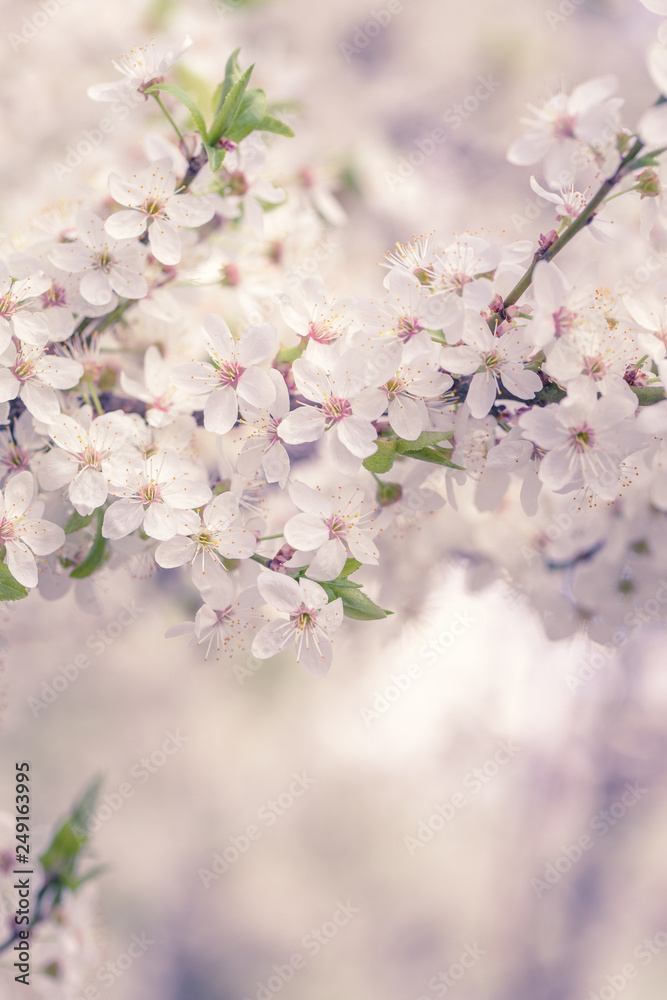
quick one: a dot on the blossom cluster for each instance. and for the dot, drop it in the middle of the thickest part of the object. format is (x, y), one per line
(171, 403)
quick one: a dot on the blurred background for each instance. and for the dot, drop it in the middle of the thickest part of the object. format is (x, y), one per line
(462, 807)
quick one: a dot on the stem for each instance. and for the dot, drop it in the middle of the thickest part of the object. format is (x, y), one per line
(168, 116)
(269, 538)
(579, 223)
(95, 398)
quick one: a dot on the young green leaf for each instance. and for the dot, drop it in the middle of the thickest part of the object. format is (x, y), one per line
(77, 521)
(383, 459)
(97, 553)
(10, 589)
(231, 107)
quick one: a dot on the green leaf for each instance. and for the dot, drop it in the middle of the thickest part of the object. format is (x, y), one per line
(59, 859)
(358, 605)
(351, 566)
(383, 459)
(77, 521)
(185, 100)
(424, 440)
(250, 114)
(232, 106)
(233, 74)
(97, 553)
(435, 456)
(271, 124)
(215, 156)
(10, 589)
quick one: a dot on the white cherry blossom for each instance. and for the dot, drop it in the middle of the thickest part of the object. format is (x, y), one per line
(233, 373)
(22, 531)
(153, 203)
(310, 622)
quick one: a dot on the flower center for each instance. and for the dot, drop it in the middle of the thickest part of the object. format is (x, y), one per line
(7, 530)
(150, 493)
(408, 327)
(55, 296)
(337, 526)
(16, 458)
(7, 306)
(395, 387)
(336, 409)
(582, 439)
(153, 206)
(563, 126)
(595, 367)
(237, 183)
(229, 373)
(23, 369)
(321, 332)
(90, 458)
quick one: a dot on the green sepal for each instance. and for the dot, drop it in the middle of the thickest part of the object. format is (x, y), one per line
(288, 355)
(10, 589)
(271, 124)
(648, 394)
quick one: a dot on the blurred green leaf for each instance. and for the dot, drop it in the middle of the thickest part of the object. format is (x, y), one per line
(383, 459)
(10, 589)
(97, 553)
(77, 521)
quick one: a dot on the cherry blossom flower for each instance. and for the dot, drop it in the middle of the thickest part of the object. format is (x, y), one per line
(140, 67)
(265, 448)
(408, 312)
(589, 116)
(232, 375)
(337, 395)
(79, 460)
(202, 541)
(22, 531)
(314, 316)
(491, 359)
(594, 353)
(18, 308)
(586, 440)
(34, 377)
(571, 203)
(154, 494)
(331, 526)
(224, 620)
(109, 265)
(152, 203)
(310, 623)
(164, 400)
(417, 378)
(20, 446)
